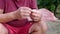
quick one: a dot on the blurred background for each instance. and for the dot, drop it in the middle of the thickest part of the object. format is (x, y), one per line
(52, 5)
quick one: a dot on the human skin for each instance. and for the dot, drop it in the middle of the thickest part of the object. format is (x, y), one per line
(34, 29)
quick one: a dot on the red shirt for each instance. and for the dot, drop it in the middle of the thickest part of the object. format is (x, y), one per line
(12, 5)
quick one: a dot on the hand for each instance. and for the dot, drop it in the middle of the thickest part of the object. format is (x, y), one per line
(23, 13)
(36, 15)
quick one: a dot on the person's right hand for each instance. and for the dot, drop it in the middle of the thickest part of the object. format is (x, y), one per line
(23, 13)
(36, 15)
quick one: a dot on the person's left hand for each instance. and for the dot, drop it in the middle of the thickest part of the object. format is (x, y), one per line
(36, 15)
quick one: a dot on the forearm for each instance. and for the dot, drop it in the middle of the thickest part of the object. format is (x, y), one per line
(7, 17)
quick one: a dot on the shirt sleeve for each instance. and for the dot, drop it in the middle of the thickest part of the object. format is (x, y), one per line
(1, 4)
(33, 4)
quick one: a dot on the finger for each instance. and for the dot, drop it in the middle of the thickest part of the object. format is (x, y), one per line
(25, 8)
(26, 15)
(35, 15)
(25, 11)
(36, 12)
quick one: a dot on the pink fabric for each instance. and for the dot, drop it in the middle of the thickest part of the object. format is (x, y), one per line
(47, 15)
(1, 4)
